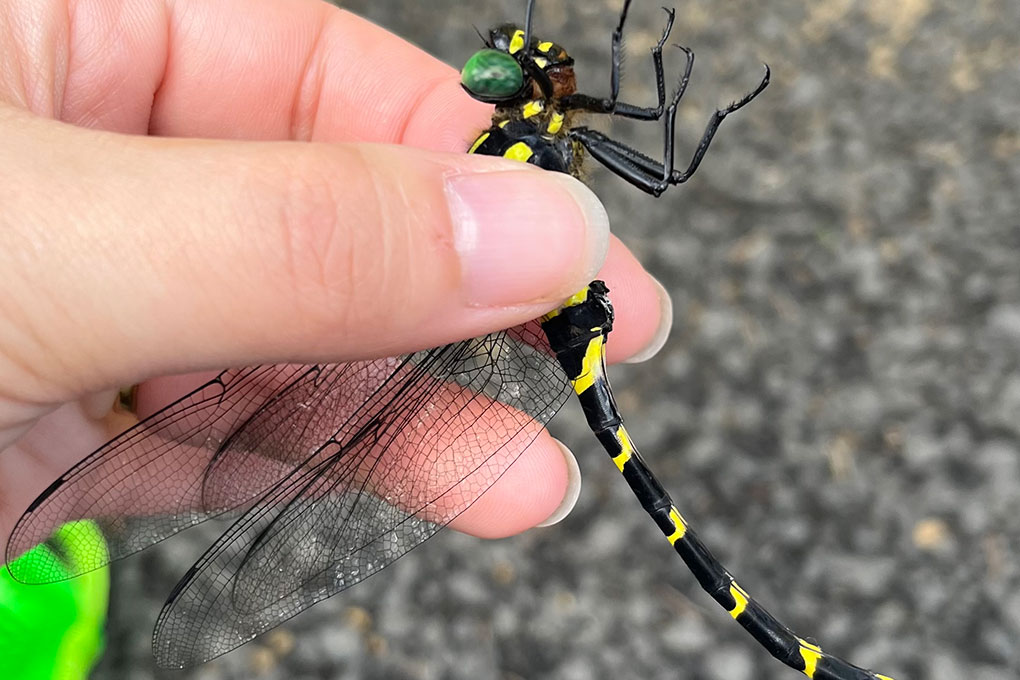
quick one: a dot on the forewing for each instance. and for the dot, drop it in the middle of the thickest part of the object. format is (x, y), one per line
(290, 428)
(416, 455)
(176, 468)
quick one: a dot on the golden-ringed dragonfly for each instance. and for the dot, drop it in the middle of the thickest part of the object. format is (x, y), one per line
(532, 84)
(334, 471)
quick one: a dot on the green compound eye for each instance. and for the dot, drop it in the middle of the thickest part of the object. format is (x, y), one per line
(491, 74)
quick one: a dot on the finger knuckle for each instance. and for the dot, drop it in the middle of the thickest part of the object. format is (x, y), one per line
(333, 245)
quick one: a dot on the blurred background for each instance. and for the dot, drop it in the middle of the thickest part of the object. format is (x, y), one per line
(837, 409)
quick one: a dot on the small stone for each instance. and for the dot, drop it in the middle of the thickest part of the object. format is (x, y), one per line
(930, 534)
(261, 660)
(359, 619)
(503, 573)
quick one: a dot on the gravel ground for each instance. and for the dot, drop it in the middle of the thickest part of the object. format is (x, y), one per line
(837, 409)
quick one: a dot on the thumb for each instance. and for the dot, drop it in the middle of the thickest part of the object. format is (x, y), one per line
(127, 257)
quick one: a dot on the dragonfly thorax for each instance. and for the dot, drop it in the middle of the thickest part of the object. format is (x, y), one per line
(505, 72)
(527, 85)
(548, 56)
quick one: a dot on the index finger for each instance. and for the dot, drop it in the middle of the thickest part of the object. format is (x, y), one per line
(268, 69)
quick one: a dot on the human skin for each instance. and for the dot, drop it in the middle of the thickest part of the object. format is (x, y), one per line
(192, 184)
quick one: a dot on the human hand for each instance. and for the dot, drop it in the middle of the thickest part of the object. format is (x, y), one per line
(200, 184)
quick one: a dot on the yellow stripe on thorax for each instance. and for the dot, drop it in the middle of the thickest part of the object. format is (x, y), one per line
(555, 123)
(533, 108)
(517, 42)
(478, 142)
(519, 152)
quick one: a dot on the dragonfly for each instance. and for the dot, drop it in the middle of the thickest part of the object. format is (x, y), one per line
(334, 471)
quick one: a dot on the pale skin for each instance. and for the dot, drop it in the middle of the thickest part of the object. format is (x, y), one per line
(192, 184)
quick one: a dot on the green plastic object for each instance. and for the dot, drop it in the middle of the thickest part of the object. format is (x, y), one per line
(53, 631)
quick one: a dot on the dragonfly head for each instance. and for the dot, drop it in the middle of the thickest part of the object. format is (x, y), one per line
(504, 72)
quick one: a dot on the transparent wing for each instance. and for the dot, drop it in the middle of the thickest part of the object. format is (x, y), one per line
(419, 452)
(215, 450)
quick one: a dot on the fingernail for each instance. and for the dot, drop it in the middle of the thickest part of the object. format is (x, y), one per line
(97, 404)
(525, 237)
(658, 340)
(573, 488)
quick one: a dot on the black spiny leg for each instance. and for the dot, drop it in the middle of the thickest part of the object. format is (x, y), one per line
(583, 102)
(645, 173)
(528, 18)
